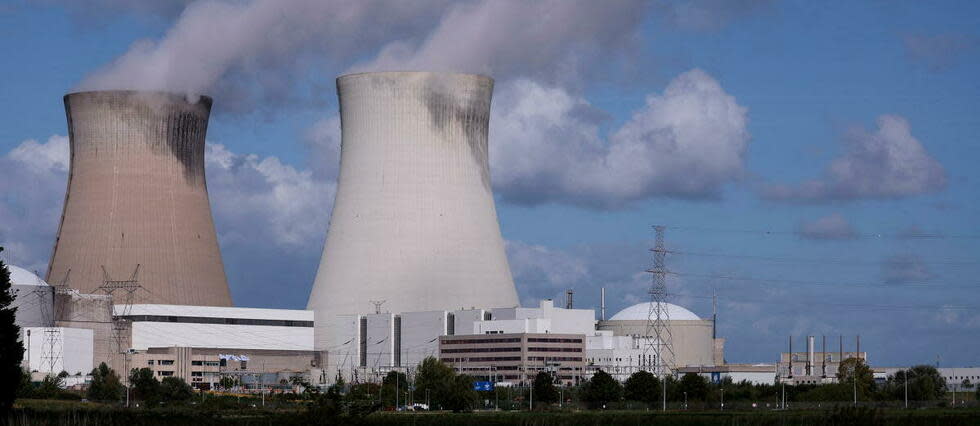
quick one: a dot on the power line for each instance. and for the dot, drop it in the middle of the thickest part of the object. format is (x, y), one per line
(824, 283)
(838, 305)
(900, 235)
(817, 260)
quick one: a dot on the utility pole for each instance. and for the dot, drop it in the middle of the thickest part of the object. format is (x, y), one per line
(784, 395)
(531, 399)
(854, 381)
(906, 388)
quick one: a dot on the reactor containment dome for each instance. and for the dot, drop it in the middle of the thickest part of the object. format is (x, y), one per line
(136, 211)
(414, 227)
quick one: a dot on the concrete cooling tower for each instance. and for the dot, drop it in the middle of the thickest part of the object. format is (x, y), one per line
(137, 196)
(414, 223)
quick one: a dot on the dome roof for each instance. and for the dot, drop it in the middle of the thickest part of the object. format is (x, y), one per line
(21, 276)
(641, 311)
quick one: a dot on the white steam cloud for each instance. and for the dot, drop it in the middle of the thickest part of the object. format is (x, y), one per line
(257, 52)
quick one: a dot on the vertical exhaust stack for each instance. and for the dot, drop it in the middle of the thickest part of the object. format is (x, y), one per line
(602, 304)
(809, 355)
(414, 221)
(137, 196)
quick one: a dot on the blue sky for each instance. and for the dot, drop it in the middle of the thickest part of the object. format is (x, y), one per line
(821, 136)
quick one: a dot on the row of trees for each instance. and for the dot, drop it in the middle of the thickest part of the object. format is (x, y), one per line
(855, 378)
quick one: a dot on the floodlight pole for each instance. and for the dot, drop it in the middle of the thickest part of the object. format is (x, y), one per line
(906, 388)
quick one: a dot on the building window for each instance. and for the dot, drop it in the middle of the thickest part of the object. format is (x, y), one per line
(244, 365)
(165, 373)
(165, 362)
(149, 362)
(197, 362)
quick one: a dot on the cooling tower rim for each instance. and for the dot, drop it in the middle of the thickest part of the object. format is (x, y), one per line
(416, 73)
(174, 96)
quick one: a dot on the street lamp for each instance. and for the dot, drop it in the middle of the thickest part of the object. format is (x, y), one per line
(723, 399)
(906, 375)
(685, 400)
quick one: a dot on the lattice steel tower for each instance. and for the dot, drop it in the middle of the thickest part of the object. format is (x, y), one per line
(658, 331)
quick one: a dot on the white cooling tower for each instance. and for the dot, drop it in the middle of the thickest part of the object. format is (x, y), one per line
(414, 223)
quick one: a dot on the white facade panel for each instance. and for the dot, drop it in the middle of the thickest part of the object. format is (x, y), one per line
(464, 320)
(213, 312)
(380, 340)
(414, 221)
(535, 325)
(56, 349)
(420, 336)
(149, 334)
(342, 346)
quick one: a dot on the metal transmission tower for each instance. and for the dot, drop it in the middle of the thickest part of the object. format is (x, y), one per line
(53, 348)
(129, 286)
(658, 331)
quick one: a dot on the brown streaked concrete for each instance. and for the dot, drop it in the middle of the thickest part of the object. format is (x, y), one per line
(137, 195)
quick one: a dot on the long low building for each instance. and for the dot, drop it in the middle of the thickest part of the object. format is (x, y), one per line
(202, 343)
(957, 378)
(154, 326)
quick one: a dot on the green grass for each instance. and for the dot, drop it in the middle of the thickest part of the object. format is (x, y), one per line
(44, 412)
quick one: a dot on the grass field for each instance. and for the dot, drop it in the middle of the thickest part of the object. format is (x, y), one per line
(36, 412)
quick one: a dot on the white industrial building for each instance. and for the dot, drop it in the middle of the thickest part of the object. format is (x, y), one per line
(155, 326)
(956, 377)
(48, 349)
(367, 346)
(51, 350)
(33, 298)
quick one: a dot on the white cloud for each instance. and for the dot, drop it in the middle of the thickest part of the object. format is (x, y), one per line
(546, 145)
(905, 268)
(551, 267)
(262, 199)
(33, 179)
(889, 163)
(831, 227)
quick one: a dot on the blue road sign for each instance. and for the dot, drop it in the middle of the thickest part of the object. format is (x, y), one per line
(483, 386)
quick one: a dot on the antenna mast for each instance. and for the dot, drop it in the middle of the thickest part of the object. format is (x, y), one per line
(658, 318)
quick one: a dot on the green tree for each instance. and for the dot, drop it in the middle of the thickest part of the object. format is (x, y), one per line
(544, 388)
(105, 384)
(25, 389)
(601, 389)
(461, 397)
(694, 385)
(175, 389)
(437, 380)
(49, 388)
(144, 386)
(642, 386)
(853, 370)
(11, 348)
(925, 383)
(226, 382)
(394, 381)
